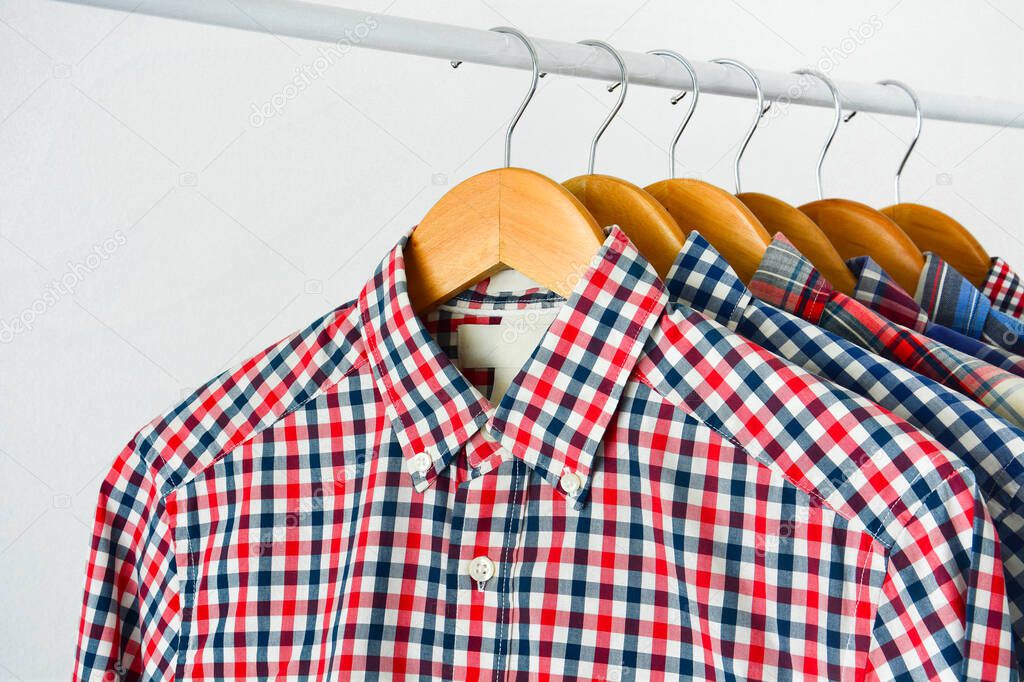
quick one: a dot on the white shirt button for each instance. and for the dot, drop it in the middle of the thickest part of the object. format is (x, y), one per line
(481, 569)
(570, 483)
(487, 435)
(422, 463)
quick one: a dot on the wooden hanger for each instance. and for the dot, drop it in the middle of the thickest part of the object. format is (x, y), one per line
(778, 216)
(505, 218)
(933, 230)
(614, 201)
(856, 229)
(929, 228)
(509, 217)
(719, 216)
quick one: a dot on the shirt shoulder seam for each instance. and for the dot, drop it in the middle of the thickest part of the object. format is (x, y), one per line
(172, 487)
(157, 461)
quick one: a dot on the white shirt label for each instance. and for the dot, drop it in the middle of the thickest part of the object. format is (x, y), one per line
(504, 347)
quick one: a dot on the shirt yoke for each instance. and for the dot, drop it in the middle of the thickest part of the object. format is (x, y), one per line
(237, 405)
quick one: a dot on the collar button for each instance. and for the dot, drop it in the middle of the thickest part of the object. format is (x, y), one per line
(422, 463)
(570, 483)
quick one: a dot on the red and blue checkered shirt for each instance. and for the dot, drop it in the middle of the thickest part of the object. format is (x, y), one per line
(1005, 289)
(880, 292)
(702, 279)
(653, 497)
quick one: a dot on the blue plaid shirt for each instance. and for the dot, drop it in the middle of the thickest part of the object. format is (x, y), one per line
(952, 301)
(701, 279)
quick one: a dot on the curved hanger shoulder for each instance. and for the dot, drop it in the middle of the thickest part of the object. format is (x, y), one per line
(613, 201)
(933, 230)
(719, 216)
(510, 217)
(856, 229)
(778, 216)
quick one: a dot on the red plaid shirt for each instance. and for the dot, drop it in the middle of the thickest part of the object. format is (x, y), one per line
(1005, 289)
(786, 279)
(653, 497)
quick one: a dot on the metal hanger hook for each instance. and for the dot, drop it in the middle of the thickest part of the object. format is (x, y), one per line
(918, 116)
(535, 61)
(759, 92)
(838, 107)
(675, 100)
(623, 81)
(917, 128)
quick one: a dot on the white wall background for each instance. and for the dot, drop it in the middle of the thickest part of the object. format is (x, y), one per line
(189, 238)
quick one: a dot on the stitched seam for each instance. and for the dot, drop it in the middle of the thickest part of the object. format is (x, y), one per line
(819, 294)
(857, 602)
(506, 558)
(891, 515)
(810, 491)
(646, 307)
(378, 358)
(173, 479)
(393, 397)
(358, 364)
(897, 541)
(957, 470)
(192, 574)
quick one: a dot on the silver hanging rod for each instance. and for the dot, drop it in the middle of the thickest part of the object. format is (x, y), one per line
(352, 28)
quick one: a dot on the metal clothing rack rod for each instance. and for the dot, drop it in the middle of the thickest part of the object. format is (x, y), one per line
(353, 28)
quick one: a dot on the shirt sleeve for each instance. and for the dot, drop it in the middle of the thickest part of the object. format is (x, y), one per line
(943, 611)
(130, 618)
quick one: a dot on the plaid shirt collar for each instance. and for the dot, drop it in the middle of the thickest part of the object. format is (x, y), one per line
(787, 280)
(554, 415)
(1004, 288)
(952, 301)
(880, 292)
(702, 279)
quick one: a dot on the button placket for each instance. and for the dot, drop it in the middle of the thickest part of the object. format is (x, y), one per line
(476, 514)
(486, 526)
